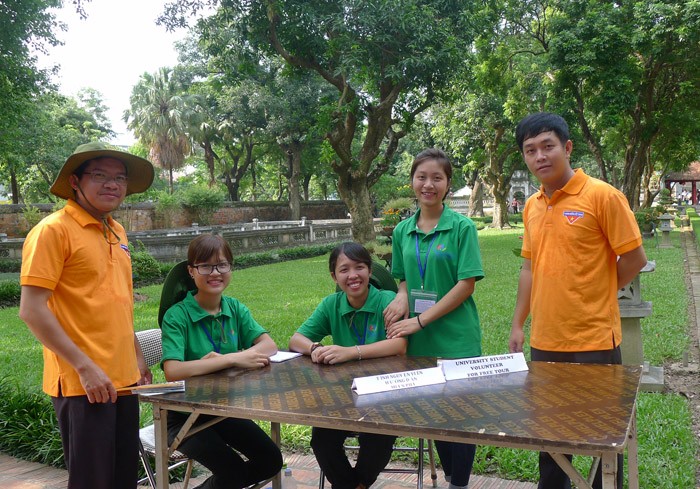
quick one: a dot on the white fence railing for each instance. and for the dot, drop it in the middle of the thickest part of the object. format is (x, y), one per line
(171, 244)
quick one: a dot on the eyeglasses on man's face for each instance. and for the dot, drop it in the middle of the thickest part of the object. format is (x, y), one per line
(223, 267)
(100, 177)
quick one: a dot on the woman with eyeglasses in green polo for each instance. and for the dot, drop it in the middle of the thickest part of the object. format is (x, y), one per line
(207, 332)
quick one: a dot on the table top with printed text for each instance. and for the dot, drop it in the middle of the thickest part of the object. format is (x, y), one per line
(579, 407)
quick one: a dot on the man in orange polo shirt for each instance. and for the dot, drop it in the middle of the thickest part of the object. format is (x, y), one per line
(581, 244)
(77, 299)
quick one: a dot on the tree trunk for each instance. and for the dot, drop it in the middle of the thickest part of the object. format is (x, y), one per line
(476, 199)
(254, 183)
(293, 151)
(14, 186)
(305, 186)
(209, 158)
(354, 191)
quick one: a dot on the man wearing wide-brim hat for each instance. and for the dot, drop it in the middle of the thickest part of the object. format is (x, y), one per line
(77, 299)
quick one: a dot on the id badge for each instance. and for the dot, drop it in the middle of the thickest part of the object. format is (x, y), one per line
(421, 300)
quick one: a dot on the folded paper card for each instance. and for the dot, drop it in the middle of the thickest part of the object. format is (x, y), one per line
(398, 380)
(465, 368)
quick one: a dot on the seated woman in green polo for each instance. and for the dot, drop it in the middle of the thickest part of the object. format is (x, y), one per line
(206, 332)
(353, 317)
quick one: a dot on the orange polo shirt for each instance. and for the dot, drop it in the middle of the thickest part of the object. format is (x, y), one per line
(573, 241)
(92, 294)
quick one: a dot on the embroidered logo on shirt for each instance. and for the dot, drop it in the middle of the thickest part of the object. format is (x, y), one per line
(126, 249)
(441, 247)
(372, 328)
(573, 216)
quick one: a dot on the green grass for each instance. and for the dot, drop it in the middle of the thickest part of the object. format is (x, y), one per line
(282, 295)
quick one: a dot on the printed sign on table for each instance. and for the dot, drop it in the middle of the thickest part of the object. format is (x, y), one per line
(465, 368)
(398, 380)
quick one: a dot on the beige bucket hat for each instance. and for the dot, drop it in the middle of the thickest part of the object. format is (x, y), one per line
(139, 170)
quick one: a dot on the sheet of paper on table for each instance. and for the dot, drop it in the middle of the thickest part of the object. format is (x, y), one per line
(282, 356)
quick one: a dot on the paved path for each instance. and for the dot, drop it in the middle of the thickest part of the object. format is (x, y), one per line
(19, 474)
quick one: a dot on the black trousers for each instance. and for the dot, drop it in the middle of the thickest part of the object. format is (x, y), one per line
(551, 475)
(457, 460)
(219, 449)
(373, 456)
(100, 441)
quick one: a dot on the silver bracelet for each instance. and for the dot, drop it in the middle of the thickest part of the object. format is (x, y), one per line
(359, 353)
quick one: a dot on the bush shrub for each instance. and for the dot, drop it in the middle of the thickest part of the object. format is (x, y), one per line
(28, 426)
(202, 202)
(8, 265)
(145, 269)
(9, 293)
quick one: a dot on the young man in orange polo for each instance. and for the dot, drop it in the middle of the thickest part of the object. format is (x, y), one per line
(581, 245)
(77, 299)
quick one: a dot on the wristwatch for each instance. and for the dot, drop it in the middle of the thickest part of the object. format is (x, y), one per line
(314, 346)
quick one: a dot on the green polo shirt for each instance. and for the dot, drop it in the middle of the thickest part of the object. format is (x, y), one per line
(189, 332)
(348, 326)
(454, 255)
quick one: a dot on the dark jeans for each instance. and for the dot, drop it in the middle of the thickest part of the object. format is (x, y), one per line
(457, 460)
(551, 475)
(374, 454)
(100, 441)
(218, 448)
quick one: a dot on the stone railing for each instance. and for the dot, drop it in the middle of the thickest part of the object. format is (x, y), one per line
(171, 244)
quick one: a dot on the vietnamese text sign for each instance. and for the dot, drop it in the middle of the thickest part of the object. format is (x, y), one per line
(465, 368)
(398, 380)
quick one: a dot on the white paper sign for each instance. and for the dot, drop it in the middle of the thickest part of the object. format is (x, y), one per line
(398, 380)
(465, 368)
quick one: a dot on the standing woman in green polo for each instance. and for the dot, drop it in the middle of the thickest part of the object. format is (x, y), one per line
(436, 258)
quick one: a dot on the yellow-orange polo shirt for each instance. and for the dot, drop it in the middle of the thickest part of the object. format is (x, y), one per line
(573, 240)
(92, 294)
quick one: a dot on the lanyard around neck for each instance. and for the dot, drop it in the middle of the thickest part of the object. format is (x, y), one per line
(360, 338)
(217, 349)
(421, 268)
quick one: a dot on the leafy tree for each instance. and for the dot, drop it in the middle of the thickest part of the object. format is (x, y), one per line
(26, 27)
(384, 59)
(627, 70)
(160, 115)
(49, 128)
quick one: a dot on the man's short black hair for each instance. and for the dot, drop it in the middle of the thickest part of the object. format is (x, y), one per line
(537, 123)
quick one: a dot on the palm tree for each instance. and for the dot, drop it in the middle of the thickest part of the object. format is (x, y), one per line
(160, 114)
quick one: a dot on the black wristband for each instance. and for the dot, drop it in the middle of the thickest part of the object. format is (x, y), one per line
(419, 323)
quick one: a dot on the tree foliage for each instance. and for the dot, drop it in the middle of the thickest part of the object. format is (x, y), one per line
(160, 114)
(385, 61)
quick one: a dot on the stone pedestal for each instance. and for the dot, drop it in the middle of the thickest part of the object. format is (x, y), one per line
(632, 310)
(665, 240)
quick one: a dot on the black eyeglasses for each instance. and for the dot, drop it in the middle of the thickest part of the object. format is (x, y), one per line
(99, 177)
(223, 267)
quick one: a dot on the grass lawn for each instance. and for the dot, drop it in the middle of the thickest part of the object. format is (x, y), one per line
(282, 295)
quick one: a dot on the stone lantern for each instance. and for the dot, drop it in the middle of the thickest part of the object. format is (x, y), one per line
(632, 310)
(665, 221)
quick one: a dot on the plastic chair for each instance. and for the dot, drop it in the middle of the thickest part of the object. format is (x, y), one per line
(152, 349)
(422, 448)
